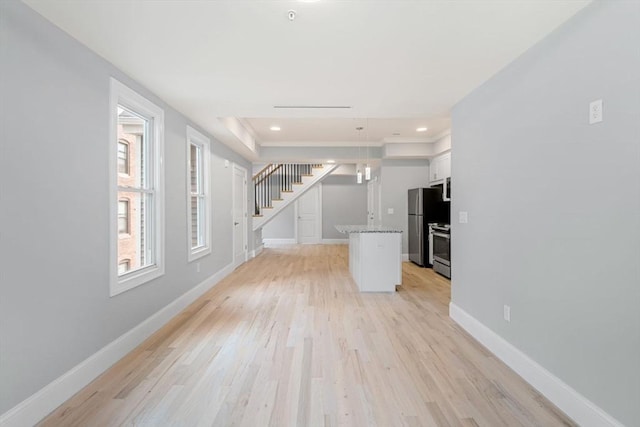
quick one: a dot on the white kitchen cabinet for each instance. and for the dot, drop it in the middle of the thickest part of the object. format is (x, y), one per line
(440, 168)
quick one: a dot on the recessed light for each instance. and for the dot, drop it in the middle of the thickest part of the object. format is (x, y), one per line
(422, 129)
(331, 161)
(275, 128)
(396, 134)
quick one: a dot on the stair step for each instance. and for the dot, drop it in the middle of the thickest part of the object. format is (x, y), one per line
(313, 173)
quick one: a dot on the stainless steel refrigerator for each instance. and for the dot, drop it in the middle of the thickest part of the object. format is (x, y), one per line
(425, 207)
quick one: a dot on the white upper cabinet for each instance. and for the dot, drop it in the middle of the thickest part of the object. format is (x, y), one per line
(440, 168)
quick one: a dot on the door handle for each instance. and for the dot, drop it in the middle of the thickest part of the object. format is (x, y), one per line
(236, 223)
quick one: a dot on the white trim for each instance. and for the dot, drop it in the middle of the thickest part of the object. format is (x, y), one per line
(119, 94)
(335, 241)
(254, 253)
(579, 408)
(405, 257)
(275, 242)
(196, 138)
(39, 405)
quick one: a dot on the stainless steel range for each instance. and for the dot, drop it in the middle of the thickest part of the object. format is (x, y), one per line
(441, 241)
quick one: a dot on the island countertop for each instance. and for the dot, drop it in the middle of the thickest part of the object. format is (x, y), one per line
(366, 229)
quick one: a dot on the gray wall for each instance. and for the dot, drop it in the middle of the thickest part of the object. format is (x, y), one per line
(397, 177)
(554, 205)
(55, 309)
(343, 202)
(282, 226)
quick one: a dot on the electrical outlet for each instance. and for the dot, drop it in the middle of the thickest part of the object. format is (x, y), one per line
(197, 267)
(507, 313)
(595, 111)
(390, 211)
(463, 217)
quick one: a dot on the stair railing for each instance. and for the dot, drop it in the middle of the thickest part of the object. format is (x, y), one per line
(275, 179)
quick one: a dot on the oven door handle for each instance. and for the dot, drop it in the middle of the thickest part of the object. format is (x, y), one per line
(444, 236)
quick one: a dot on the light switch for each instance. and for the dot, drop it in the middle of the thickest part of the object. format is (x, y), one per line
(463, 217)
(390, 211)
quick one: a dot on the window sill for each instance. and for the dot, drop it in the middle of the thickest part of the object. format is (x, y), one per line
(199, 253)
(120, 285)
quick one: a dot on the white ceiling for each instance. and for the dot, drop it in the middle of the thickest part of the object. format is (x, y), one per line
(398, 64)
(337, 132)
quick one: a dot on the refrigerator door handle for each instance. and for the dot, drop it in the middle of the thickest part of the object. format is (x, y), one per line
(415, 236)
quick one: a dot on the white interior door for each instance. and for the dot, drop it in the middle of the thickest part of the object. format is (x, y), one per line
(373, 203)
(309, 215)
(239, 214)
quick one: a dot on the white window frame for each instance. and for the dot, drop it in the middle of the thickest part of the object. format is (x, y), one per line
(122, 95)
(198, 139)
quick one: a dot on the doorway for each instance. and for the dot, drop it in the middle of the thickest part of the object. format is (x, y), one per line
(239, 214)
(374, 216)
(309, 216)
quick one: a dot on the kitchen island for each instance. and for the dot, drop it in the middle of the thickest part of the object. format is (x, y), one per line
(375, 257)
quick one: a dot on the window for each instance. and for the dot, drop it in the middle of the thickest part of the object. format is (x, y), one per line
(137, 182)
(123, 157)
(198, 198)
(123, 217)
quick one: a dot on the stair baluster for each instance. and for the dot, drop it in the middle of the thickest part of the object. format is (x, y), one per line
(274, 179)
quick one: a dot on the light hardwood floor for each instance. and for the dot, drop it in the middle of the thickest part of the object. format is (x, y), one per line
(287, 340)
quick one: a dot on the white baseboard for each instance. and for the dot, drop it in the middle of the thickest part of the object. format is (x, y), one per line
(335, 241)
(276, 242)
(39, 405)
(405, 257)
(241, 260)
(256, 251)
(572, 403)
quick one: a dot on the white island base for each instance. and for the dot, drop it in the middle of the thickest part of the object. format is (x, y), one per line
(375, 257)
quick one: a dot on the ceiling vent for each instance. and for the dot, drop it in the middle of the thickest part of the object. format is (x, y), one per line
(312, 106)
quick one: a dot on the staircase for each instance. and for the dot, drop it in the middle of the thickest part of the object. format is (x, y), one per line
(278, 185)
